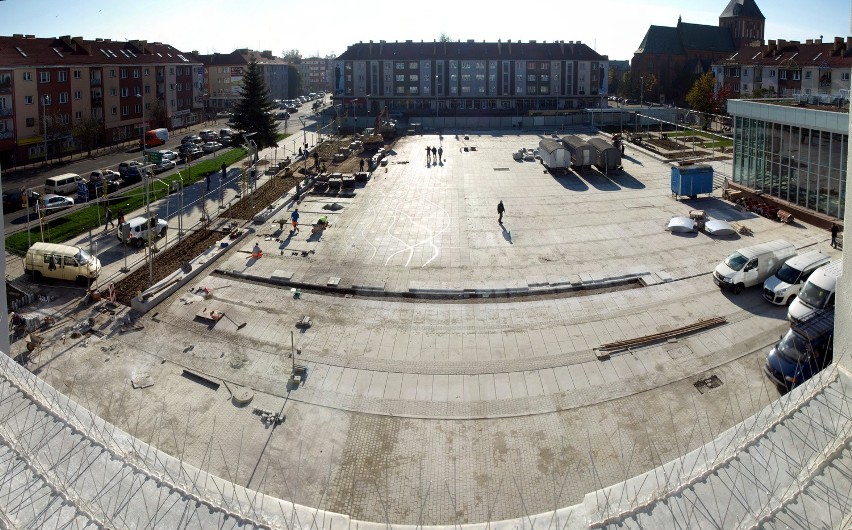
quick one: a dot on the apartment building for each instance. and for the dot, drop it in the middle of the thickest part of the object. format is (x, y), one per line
(49, 85)
(316, 74)
(815, 70)
(223, 76)
(467, 78)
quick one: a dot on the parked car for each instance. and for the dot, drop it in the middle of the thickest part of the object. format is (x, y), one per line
(190, 146)
(54, 203)
(193, 154)
(282, 116)
(127, 164)
(134, 174)
(211, 147)
(226, 141)
(96, 187)
(191, 139)
(805, 349)
(292, 109)
(165, 165)
(168, 155)
(208, 135)
(138, 230)
(223, 114)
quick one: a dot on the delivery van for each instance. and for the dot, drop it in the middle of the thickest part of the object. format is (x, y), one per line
(817, 292)
(62, 262)
(64, 184)
(784, 285)
(155, 137)
(752, 265)
(805, 349)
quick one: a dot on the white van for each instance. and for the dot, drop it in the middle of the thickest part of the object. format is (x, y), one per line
(817, 292)
(138, 230)
(752, 265)
(64, 184)
(784, 285)
(63, 262)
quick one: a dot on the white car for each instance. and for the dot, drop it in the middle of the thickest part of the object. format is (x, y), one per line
(165, 165)
(54, 203)
(169, 155)
(211, 147)
(139, 229)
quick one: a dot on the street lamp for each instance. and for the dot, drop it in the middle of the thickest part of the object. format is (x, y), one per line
(45, 101)
(147, 183)
(436, 100)
(641, 90)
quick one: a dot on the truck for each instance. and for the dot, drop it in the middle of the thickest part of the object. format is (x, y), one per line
(752, 265)
(806, 348)
(690, 180)
(155, 137)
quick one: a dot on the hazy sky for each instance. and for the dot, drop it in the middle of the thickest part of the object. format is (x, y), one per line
(612, 27)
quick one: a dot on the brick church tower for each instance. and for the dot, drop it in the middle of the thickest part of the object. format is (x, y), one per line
(745, 21)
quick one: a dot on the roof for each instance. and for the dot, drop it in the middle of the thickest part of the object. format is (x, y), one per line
(661, 40)
(23, 51)
(530, 51)
(223, 59)
(705, 38)
(742, 8)
(793, 55)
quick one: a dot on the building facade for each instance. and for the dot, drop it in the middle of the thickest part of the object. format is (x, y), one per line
(789, 69)
(48, 86)
(676, 56)
(796, 154)
(223, 79)
(468, 78)
(316, 74)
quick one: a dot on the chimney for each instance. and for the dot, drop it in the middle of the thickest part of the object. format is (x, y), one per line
(781, 44)
(17, 35)
(817, 41)
(849, 43)
(809, 41)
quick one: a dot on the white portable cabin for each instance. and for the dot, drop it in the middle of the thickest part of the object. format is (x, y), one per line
(608, 156)
(553, 154)
(582, 154)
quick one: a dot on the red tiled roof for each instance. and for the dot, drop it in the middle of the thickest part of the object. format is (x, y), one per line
(791, 55)
(18, 51)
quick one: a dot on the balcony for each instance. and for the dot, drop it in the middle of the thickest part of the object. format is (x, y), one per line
(6, 111)
(96, 81)
(5, 135)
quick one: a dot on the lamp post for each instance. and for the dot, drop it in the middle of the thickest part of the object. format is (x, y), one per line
(641, 90)
(147, 184)
(436, 100)
(44, 102)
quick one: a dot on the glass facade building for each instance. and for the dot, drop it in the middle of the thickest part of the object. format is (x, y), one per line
(792, 153)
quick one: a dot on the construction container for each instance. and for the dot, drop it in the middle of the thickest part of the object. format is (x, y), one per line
(607, 156)
(553, 154)
(582, 153)
(692, 180)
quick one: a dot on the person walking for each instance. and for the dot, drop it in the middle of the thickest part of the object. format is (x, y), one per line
(428, 155)
(108, 222)
(834, 230)
(207, 178)
(500, 210)
(120, 217)
(361, 165)
(440, 154)
(295, 218)
(435, 154)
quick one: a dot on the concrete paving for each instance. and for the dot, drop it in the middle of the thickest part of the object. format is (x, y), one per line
(452, 374)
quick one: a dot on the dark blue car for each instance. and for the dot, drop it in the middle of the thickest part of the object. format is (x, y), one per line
(803, 351)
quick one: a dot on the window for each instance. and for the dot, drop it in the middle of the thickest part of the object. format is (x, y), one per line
(112, 73)
(147, 89)
(413, 90)
(146, 72)
(63, 97)
(136, 73)
(30, 122)
(531, 78)
(77, 74)
(807, 74)
(399, 66)
(412, 66)
(180, 87)
(414, 78)
(400, 90)
(125, 110)
(123, 73)
(28, 76)
(44, 77)
(28, 100)
(124, 92)
(772, 73)
(62, 76)
(844, 76)
(113, 92)
(78, 115)
(797, 75)
(783, 75)
(114, 111)
(137, 109)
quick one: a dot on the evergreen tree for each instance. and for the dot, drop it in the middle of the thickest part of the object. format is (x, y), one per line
(253, 113)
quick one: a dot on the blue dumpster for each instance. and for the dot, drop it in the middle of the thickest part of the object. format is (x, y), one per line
(691, 180)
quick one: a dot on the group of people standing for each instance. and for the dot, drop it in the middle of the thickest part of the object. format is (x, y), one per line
(434, 155)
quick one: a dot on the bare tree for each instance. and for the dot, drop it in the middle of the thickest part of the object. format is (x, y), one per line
(88, 132)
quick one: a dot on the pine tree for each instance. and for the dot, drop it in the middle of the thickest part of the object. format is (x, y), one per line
(253, 113)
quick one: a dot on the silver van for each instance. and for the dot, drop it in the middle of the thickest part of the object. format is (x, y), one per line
(64, 184)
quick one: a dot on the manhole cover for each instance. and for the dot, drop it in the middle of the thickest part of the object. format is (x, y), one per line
(703, 385)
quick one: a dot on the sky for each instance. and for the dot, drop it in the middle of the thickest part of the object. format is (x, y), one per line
(612, 27)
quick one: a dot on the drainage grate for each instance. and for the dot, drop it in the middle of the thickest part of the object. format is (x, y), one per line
(703, 385)
(501, 169)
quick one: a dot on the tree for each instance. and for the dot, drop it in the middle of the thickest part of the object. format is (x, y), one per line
(253, 112)
(157, 116)
(291, 56)
(613, 81)
(704, 98)
(58, 134)
(88, 132)
(444, 37)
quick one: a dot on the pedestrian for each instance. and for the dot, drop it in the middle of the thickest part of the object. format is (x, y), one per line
(108, 222)
(435, 154)
(440, 154)
(207, 178)
(361, 165)
(300, 152)
(500, 210)
(120, 217)
(834, 230)
(295, 218)
(428, 155)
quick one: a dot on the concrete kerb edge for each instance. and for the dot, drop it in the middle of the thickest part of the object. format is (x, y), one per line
(179, 278)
